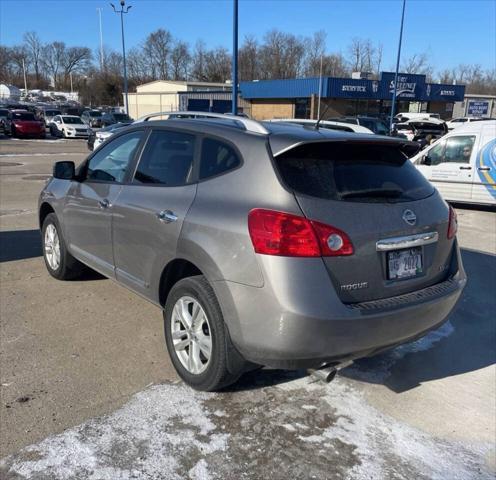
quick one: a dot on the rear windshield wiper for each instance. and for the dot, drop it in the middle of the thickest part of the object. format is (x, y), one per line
(374, 192)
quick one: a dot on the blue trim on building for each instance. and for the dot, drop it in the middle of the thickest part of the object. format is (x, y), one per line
(410, 87)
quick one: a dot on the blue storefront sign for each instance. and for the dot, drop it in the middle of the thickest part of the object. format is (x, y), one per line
(478, 108)
(411, 87)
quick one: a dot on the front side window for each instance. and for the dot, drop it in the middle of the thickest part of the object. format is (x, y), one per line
(110, 163)
(217, 157)
(167, 159)
(452, 150)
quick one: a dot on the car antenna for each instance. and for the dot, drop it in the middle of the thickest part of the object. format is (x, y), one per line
(321, 117)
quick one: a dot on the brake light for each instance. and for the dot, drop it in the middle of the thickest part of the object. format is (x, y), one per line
(453, 223)
(285, 234)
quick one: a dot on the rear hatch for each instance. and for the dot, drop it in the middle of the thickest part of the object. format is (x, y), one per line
(372, 192)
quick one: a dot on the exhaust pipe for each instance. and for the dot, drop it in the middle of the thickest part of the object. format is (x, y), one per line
(327, 372)
(324, 374)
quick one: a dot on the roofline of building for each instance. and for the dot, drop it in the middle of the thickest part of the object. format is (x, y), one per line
(185, 82)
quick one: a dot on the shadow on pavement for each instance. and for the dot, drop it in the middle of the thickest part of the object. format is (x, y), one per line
(467, 343)
(24, 244)
(19, 244)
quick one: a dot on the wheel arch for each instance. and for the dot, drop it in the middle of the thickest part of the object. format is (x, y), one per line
(174, 271)
(44, 211)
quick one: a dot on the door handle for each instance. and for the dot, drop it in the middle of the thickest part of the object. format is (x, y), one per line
(484, 169)
(166, 216)
(103, 204)
(465, 168)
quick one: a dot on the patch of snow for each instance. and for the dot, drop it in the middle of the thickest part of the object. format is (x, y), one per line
(151, 435)
(200, 471)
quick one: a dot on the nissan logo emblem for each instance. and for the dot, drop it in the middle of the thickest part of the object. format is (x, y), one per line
(409, 217)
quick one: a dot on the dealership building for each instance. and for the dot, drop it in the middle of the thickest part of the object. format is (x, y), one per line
(298, 98)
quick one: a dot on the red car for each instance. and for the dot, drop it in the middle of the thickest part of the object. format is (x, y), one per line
(21, 123)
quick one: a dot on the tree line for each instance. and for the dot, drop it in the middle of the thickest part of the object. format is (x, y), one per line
(279, 55)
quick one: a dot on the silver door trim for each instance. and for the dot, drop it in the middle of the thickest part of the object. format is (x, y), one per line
(407, 241)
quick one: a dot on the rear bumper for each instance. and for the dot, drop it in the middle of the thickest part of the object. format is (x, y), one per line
(282, 326)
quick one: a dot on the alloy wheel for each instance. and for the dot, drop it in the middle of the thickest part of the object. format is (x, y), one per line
(52, 247)
(191, 335)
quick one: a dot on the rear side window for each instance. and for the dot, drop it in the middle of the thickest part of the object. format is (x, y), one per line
(217, 157)
(167, 158)
(360, 172)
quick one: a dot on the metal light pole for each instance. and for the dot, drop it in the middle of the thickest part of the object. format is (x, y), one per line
(235, 59)
(397, 68)
(122, 11)
(99, 10)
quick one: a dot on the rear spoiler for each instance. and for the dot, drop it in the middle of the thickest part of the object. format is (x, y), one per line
(408, 148)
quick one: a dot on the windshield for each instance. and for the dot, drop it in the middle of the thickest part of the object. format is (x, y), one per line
(72, 120)
(375, 125)
(95, 114)
(346, 171)
(23, 116)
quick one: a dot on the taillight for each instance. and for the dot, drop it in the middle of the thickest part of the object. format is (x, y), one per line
(285, 234)
(453, 223)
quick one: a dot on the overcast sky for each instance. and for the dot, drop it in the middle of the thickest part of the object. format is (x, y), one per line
(449, 31)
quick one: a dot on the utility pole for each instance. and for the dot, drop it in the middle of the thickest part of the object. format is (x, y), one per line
(101, 38)
(25, 79)
(70, 76)
(397, 68)
(235, 59)
(122, 11)
(320, 88)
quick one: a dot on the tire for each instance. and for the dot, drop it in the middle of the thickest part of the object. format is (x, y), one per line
(224, 365)
(67, 267)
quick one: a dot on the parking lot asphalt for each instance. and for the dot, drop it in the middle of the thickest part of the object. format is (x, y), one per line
(88, 391)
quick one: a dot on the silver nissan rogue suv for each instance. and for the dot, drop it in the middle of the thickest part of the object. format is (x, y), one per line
(264, 244)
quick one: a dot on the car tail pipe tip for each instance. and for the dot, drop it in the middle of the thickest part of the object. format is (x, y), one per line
(327, 372)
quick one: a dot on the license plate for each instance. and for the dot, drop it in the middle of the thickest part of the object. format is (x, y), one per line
(404, 263)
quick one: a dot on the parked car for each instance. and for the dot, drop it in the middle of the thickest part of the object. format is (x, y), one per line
(21, 123)
(330, 125)
(46, 114)
(264, 244)
(462, 164)
(419, 129)
(405, 116)
(376, 125)
(115, 117)
(461, 121)
(93, 118)
(4, 112)
(95, 139)
(69, 126)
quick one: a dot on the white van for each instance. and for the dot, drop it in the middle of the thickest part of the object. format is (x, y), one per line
(462, 164)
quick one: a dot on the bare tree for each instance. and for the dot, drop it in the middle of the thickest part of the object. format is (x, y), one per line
(157, 49)
(34, 47)
(75, 60)
(218, 65)
(281, 55)
(53, 58)
(249, 68)
(180, 59)
(315, 50)
(199, 61)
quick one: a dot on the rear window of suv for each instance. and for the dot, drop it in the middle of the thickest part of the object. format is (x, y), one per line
(359, 172)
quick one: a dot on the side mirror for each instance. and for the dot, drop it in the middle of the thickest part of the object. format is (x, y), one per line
(64, 170)
(426, 160)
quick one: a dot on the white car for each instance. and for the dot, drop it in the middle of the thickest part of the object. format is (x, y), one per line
(330, 125)
(416, 129)
(462, 164)
(69, 126)
(405, 116)
(460, 121)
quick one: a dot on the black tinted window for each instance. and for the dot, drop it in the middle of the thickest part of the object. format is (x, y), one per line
(167, 158)
(216, 158)
(353, 172)
(110, 162)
